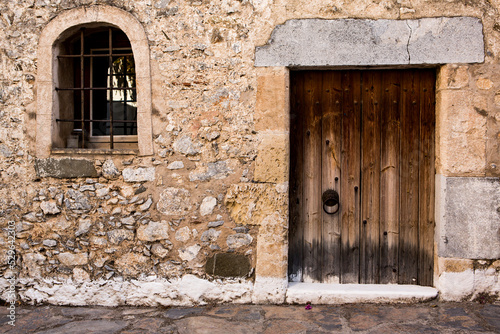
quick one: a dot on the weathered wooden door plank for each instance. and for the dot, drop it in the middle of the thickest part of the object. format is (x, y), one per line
(296, 218)
(350, 182)
(389, 178)
(410, 132)
(427, 174)
(370, 177)
(312, 177)
(370, 136)
(330, 169)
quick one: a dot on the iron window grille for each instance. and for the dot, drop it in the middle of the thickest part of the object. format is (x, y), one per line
(104, 87)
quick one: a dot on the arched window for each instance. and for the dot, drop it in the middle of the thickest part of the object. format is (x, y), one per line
(95, 62)
(98, 90)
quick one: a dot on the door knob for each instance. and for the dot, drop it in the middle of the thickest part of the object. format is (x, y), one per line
(331, 201)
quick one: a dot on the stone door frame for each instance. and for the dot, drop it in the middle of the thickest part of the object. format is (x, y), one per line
(341, 44)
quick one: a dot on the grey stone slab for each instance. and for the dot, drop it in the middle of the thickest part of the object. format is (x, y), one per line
(356, 42)
(179, 313)
(87, 312)
(89, 327)
(65, 168)
(228, 265)
(209, 325)
(446, 40)
(468, 215)
(491, 313)
(30, 319)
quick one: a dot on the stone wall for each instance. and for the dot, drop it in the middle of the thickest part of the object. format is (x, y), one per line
(116, 229)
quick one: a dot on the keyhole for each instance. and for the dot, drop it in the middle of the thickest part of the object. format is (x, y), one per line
(327, 142)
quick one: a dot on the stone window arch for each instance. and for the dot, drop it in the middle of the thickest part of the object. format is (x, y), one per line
(51, 105)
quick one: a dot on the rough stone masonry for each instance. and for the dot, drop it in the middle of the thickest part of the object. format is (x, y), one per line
(203, 217)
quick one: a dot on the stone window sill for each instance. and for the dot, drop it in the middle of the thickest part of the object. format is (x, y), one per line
(93, 151)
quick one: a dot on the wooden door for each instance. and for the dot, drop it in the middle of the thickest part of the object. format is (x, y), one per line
(368, 135)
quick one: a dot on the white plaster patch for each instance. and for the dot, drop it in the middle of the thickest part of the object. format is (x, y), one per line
(269, 290)
(468, 284)
(455, 286)
(150, 291)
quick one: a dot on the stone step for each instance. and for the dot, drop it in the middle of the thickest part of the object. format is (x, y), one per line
(319, 293)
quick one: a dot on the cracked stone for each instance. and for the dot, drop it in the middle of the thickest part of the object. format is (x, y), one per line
(189, 253)
(238, 240)
(118, 235)
(139, 174)
(153, 231)
(174, 201)
(207, 205)
(128, 220)
(49, 208)
(146, 205)
(132, 263)
(72, 259)
(83, 227)
(176, 165)
(49, 243)
(102, 192)
(210, 235)
(216, 170)
(76, 200)
(159, 250)
(109, 170)
(183, 234)
(89, 187)
(185, 145)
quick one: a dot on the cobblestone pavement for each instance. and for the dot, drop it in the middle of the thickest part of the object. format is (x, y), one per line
(431, 317)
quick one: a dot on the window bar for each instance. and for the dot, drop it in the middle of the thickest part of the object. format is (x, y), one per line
(93, 55)
(111, 89)
(91, 120)
(82, 84)
(125, 85)
(93, 88)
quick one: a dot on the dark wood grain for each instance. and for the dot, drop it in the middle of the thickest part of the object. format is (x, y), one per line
(330, 171)
(296, 218)
(369, 135)
(410, 132)
(427, 178)
(370, 177)
(389, 178)
(350, 182)
(312, 177)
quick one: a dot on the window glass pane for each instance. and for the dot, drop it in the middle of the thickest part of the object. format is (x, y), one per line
(104, 88)
(122, 101)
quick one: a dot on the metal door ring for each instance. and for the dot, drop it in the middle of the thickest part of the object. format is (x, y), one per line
(330, 199)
